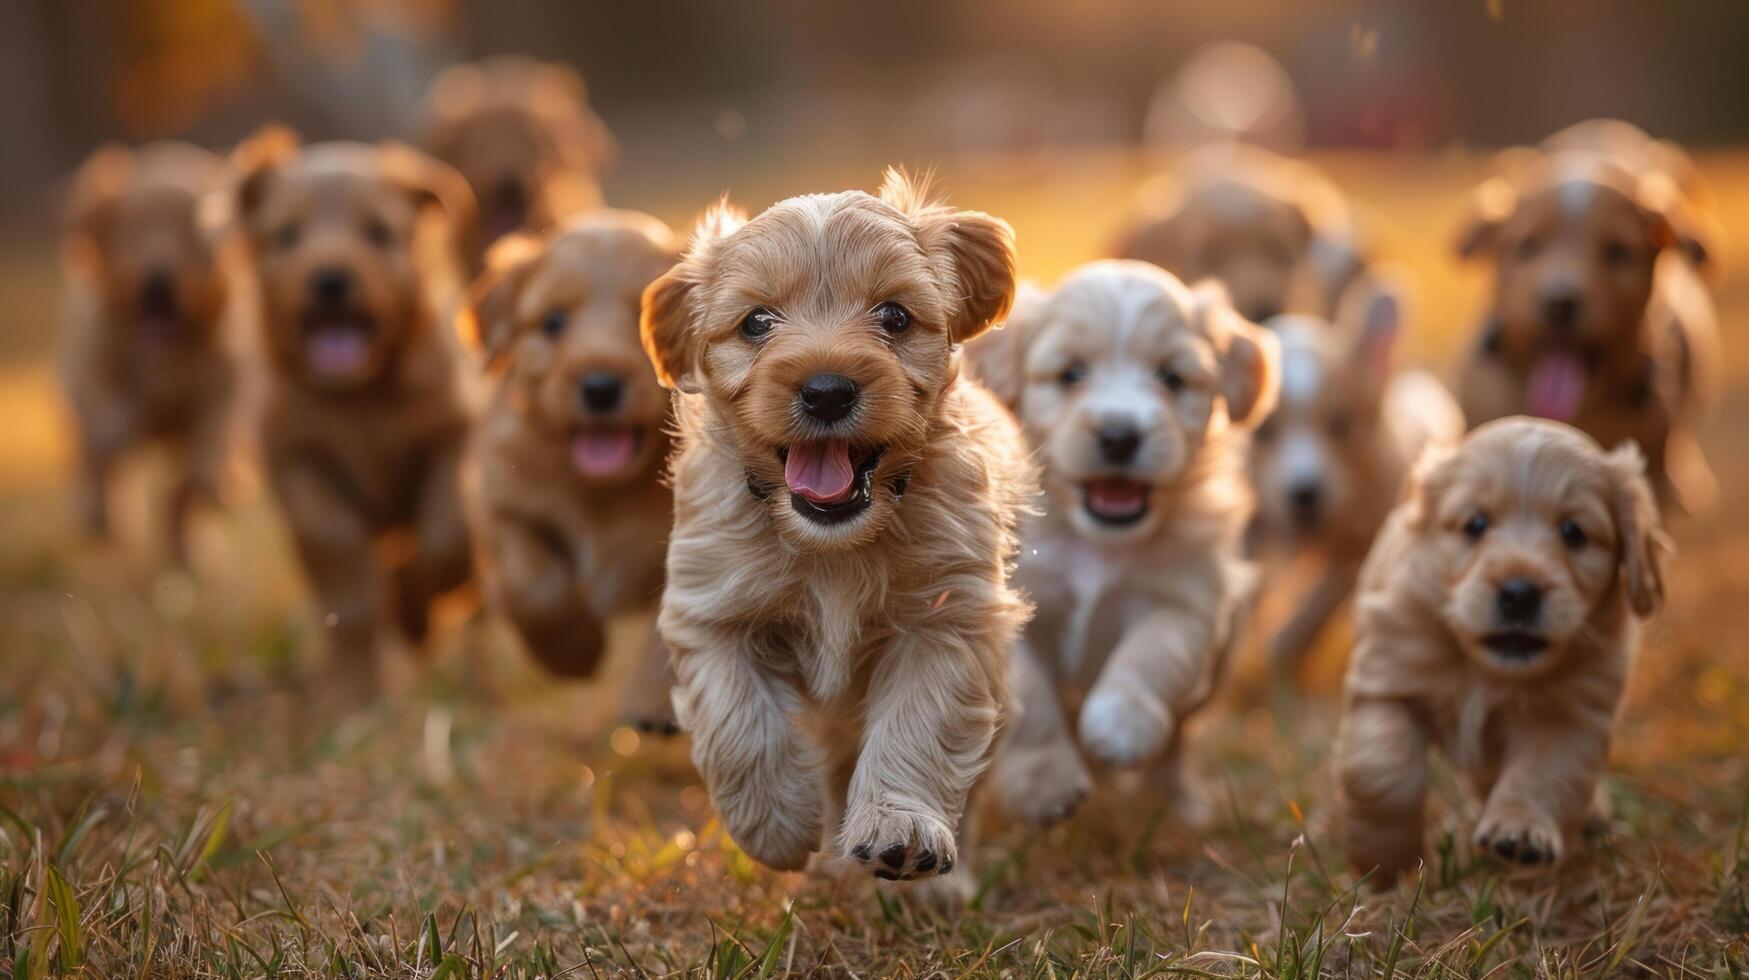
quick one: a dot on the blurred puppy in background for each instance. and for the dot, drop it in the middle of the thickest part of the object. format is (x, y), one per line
(1275, 232)
(1599, 317)
(1139, 396)
(1498, 617)
(368, 406)
(571, 512)
(522, 133)
(1329, 463)
(146, 354)
(845, 505)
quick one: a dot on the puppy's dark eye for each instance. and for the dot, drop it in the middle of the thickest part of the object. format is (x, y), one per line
(1573, 535)
(553, 323)
(1072, 374)
(894, 318)
(1476, 526)
(1173, 381)
(285, 238)
(1617, 253)
(376, 232)
(1527, 248)
(1339, 425)
(758, 323)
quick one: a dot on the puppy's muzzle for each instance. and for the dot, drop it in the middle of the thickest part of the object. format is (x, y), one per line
(1560, 310)
(1306, 503)
(1519, 604)
(1119, 441)
(827, 397)
(600, 392)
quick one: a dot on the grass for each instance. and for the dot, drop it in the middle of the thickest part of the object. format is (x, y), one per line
(179, 797)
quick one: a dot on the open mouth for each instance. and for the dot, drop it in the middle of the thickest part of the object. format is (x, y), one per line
(829, 480)
(338, 346)
(1115, 501)
(1556, 388)
(1516, 646)
(606, 450)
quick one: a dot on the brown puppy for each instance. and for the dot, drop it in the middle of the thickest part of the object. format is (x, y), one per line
(1599, 317)
(368, 407)
(1138, 395)
(145, 353)
(1497, 619)
(837, 600)
(1329, 463)
(1273, 231)
(522, 133)
(572, 517)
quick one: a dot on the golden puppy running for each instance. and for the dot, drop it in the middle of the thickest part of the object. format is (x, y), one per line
(368, 407)
(1599, 316)
(1498, 616)
(1329, 463)
(146, 355)
(572, 516)
(522, 133)
(1139, 395)
(837, 600)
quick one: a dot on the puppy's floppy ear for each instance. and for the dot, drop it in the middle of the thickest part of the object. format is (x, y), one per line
(1428, 478)
(1250, 356)
(973, 251)
(432, 184)
(1372, 310)
(665, 325)
(997, 360)
(91, 197)
(488, 320)
(1644, 546)
(1490, 207)
(255, 162)
(1678, 224)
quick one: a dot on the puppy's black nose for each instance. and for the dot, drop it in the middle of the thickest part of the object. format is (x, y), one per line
(331, 285)
(601, 392)
(508, 195)
(1561, 310)
(1307, 500)
(828, 397)
(158, 295)
(1118, 441)
(1520, 601)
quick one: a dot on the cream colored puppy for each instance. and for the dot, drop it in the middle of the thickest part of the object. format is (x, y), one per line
(844, 512)
(1138, 395)
(1498, 616)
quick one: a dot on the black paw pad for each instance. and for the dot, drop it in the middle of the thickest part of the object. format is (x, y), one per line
(862, 851)
(894, 857)
(1507, 847)
(946, 865)
(925, 861)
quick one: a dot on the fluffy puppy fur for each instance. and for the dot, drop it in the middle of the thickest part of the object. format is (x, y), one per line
(1138, 395)
(1329, 463)
(571, 515)
(1599, 315)
(837, 599)
(1497, 619)
(367, 408)
(523, 135)
(1272, 230)
(146, 355)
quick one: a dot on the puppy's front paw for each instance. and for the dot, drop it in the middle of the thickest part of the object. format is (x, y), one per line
(899, 845)
(1042, 784)
(1123, 726)
(781, 837)
(1519, 834)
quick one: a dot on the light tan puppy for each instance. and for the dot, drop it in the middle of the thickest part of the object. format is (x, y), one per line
(1138, 395)
(1498, 616)
(1272, 230)
(523, 135)
(1599, 316)
(571, 513)
(146, 355)
(1329, 463)
(368, 407)
(837, 600)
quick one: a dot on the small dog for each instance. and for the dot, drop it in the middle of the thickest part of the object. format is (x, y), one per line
(523, 135)
(368, 407)
(1272, 230)
(845, 506)
(146, 353)
(1138, 395)
(571, 516)
(1497, 619)
(1328, 464)
(1599, 317)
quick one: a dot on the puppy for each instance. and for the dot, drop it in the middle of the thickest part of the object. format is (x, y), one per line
(145, 355)
(1138, 395)
(1599, 316)
(845, 505)
(522, 133)
(367, 409)
(572, 517)
(1329, 463)
(1497, 619)
(1274, 231)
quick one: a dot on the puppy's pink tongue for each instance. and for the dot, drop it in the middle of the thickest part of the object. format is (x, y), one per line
(1557, 386)
(337, 352)
(602, 452)
(820, 470)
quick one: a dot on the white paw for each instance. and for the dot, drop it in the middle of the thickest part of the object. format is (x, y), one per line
(1518, 833)
(1041, 784)
(898, 843)
(1123, 726)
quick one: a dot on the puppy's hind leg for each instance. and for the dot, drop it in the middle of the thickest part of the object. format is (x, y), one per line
(1296, 638)
(537, 590)
(1038, 774)
(334, 541)
(1381, 767)
(441, 556)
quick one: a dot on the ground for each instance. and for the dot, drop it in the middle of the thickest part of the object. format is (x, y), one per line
(180, 796)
